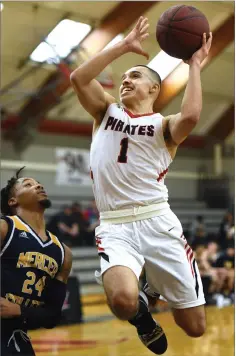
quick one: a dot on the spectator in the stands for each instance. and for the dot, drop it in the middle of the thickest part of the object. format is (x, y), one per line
(52, 224)
(68, 227)
(212, 250)
(78, 216)
(91, 213)
(218, 276)
(226, 260)
(200, 239)
(92, 216)
(197, 232)
(226, 231)
(231, 233)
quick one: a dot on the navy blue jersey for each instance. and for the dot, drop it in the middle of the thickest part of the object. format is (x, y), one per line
(27, 262)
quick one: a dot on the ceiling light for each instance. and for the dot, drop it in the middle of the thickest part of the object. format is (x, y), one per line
(1, 6)
(164, 64)
(61, 40)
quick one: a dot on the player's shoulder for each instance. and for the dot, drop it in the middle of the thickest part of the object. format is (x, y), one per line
(6, 226)
(56, 241)
(13, 222)
(17, 224)
(68, 253)
(115, 107)
(7, 219)
(3, 226)
(158, 116)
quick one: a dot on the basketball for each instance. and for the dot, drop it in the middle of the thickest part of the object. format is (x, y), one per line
(179, 31)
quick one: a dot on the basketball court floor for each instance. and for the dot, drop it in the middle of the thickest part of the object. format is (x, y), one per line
(110, 337)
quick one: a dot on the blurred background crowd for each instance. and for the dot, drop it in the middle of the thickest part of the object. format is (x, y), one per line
(74, 225)
(215, 255)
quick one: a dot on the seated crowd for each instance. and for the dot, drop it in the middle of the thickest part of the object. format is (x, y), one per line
(75, 226)
(214, 254)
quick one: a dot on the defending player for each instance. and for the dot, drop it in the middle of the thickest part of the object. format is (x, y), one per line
(34, 266)
(131, 151)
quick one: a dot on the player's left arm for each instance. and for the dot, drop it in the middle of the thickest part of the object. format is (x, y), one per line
(48, 315)
(181, 124)
(64, 273)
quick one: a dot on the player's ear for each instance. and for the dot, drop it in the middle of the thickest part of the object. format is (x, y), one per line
(155, 88)
(12, 202)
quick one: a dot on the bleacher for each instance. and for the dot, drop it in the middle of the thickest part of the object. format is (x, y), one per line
(85, 259)
(185, 209)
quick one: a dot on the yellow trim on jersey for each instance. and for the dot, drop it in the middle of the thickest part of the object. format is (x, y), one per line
(55, 240)
(18, 224)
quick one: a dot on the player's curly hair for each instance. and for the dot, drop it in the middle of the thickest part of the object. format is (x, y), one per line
(6, 194)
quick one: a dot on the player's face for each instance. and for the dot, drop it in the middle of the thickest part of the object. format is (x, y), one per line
(136, 85)
(30, 194)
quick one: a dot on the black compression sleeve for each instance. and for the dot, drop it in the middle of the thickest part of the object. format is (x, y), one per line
(48, 315)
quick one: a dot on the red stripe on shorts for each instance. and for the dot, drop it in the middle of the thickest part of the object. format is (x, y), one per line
(189, 254)
(98, 243)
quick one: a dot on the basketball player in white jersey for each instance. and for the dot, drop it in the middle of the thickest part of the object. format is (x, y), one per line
(131, 151)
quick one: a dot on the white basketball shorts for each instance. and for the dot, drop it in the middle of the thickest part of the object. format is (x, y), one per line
(159, 243)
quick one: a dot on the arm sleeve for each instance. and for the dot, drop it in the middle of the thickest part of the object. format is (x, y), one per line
(48, 315)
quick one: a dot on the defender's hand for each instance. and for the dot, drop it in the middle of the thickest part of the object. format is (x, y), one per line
(137, 36)
(9, 309)
(202, 53)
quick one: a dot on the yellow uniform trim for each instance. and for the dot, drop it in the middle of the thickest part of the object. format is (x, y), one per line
(18, 224)
(55, 240)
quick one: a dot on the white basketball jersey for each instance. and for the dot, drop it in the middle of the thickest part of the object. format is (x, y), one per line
(129, 160)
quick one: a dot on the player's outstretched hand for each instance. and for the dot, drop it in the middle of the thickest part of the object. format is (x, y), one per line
(202, 53)
(9, 309)
(139, 33)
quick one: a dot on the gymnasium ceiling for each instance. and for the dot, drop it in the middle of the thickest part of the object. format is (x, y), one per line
(27, 109)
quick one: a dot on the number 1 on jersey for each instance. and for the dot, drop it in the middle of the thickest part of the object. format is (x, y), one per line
(122, 158)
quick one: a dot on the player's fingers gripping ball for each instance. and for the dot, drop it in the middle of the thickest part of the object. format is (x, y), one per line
(180, 31)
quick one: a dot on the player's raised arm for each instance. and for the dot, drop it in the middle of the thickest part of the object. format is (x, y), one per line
(90, 93)
(182, 124)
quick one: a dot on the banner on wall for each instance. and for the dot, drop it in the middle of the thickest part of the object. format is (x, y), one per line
(73, 167)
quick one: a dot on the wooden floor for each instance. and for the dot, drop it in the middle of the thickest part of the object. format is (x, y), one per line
(112, 337)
